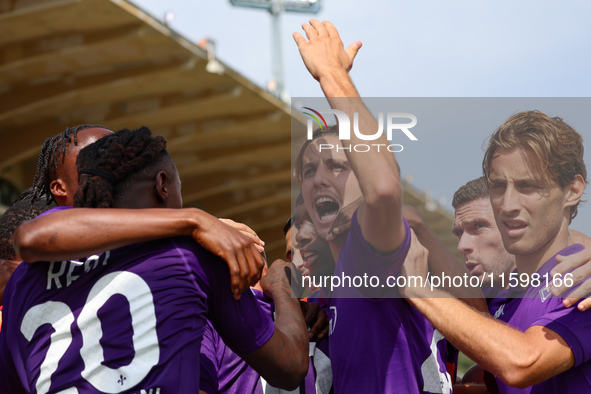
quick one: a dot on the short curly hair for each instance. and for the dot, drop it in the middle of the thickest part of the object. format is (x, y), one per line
(475, 189)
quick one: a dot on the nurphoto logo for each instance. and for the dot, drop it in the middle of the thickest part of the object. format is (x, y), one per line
(392, 123)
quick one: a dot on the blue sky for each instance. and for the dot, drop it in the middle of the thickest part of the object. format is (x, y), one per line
(423, 49)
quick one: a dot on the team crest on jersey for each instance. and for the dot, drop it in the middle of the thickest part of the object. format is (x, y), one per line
(500, 311)
(545, 293)
(333, 321)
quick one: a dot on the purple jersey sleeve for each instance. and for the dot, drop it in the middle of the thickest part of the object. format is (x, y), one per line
(243, 325)
(574, 327)
(223, 371)
(9, 380)
(365, 260)
(570, 323)
(535, 306)
(210, 368)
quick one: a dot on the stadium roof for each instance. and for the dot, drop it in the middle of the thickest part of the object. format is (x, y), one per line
(70, 62)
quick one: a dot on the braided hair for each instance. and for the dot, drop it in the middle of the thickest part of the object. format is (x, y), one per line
(109, 165)
(53, 152)
(22, 209)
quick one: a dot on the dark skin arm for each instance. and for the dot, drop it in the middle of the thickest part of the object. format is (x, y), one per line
(283, 360)
(78, 232)
(7, 267)
(473, 382)
(470, 388)
(316, 315)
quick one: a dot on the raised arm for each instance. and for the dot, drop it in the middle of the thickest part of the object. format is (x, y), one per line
(283, 360)
(78, 232)
(328, 61)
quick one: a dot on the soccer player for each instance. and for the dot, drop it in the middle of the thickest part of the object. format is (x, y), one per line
(535, 169)
(22, 209)
(223, 371)
(319, 262)
(479, 237)
(316, 255)
(292, 249)
(132, 319)
(90, 232)
(376, 345)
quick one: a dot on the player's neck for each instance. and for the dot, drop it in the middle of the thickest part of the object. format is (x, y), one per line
(139, 197)
(336, 245)
(531, 263)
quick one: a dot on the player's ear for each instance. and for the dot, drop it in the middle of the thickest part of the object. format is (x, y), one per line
(162, 187)
(58, 187)
(574, 190)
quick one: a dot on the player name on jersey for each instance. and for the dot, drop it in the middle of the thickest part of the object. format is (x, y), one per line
(63, 273)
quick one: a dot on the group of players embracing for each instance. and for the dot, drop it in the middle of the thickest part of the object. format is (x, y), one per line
(125, 291)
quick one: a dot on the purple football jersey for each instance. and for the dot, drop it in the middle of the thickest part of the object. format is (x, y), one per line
(224, 372)
(381, 345)
(535, 306)
(127, 321)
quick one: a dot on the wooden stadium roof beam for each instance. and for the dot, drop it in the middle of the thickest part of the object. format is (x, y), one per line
(258, 203)
(237, 158)
(21, 10)
(22, 98)
(21, 54)
(198, 190)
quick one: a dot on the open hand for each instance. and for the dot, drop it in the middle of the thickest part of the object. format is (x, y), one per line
(323, 51)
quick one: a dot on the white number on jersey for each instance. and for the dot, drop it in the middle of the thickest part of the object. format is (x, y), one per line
(434, 380)
(59, 315)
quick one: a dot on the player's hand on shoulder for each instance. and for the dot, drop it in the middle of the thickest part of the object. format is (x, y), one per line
(237, 244)
(572, 270)
(244, 229)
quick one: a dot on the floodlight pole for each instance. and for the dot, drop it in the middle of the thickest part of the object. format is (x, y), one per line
(275, 8)
(277, 53)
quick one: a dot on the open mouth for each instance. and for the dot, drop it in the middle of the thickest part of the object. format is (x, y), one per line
(514, 225)
(327, 208)
(309, 257)
(473, 268)
(514, 228)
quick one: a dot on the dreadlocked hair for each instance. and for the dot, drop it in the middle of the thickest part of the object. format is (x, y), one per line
(107, 165)
(22, 209)
(53, 151)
